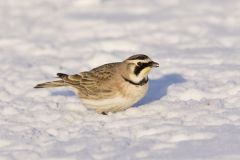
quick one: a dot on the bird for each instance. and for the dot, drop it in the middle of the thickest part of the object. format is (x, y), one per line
(111, 87)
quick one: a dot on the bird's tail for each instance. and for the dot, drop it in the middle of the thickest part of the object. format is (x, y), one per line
(59, 83)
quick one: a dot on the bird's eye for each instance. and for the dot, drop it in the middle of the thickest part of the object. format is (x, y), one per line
(139, 63)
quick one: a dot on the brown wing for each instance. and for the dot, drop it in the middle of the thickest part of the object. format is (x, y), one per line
(95, 84)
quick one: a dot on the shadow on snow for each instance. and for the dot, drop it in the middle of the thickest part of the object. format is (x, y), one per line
(67, 93)
(158, 88)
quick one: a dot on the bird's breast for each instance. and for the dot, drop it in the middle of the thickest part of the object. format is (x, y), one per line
(134, 91)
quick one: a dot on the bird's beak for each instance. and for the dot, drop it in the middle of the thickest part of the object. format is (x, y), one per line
(155, 64)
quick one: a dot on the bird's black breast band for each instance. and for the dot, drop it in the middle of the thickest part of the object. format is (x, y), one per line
(141, 83)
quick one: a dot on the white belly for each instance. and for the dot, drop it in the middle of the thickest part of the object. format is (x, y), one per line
(119, 102)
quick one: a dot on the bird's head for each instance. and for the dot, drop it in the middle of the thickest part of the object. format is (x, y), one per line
(139, 66)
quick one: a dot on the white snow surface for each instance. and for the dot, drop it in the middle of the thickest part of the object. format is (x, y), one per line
(191, 112)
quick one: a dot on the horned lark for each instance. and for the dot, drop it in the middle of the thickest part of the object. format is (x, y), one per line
(111, 87)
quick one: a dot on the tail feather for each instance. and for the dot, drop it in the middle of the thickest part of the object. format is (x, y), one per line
(59, 83)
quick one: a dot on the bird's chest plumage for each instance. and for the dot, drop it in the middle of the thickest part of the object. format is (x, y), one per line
(134, 92)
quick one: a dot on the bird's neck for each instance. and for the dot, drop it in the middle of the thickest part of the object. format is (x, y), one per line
(139, 83)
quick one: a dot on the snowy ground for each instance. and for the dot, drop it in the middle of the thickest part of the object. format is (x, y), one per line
(192, 111)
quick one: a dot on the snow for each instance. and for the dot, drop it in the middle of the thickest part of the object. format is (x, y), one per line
(191, 112)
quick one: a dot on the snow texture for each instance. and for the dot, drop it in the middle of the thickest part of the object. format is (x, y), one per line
(191, 112)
